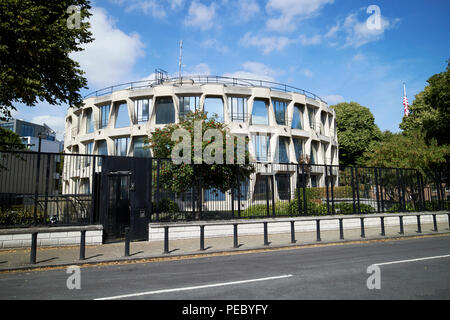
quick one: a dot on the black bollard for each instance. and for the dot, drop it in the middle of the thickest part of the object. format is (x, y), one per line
(266, 238)
(83, 245)
(202, 238)
(33, 248)
(363, 232)
(292, 232)
(127, 242)
(235, 235)
(166, 239)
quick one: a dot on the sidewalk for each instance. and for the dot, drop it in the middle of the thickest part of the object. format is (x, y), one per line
(18, 259)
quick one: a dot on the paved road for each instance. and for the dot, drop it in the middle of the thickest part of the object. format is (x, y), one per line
(327, 272)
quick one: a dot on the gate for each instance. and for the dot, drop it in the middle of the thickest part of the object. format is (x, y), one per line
(125, 197)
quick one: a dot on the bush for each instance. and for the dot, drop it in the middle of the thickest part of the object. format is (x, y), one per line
(166, 205)
(20, 216)
(347, 208)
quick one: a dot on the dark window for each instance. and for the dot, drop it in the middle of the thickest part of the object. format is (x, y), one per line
(165, 111)
(298, 147)
(283, 148)
(89, 121)
(284, 186)
(214, 194)
(121, 146)
(298, 117)
(138, 147)
(27, 130)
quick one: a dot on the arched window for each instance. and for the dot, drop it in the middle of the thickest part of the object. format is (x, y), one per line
(165, 110)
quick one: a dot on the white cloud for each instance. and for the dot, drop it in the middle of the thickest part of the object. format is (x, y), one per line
(304, 40)
(55, 123)
(153, 7)
(254, 70)
(308, 73)
(214, 43)
(333, 99)
(359, 33)
(266, 44)
(292, 11)
(201, 16)
(247, 9)
(110, 58)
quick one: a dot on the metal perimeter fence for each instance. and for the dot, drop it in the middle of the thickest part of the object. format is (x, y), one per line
(64, 189)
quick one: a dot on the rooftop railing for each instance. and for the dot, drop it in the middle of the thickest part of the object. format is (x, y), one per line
(205, 80)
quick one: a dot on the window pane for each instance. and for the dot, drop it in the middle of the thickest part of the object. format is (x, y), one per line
(121, 146)
(89, 122)
(283, 150)
(138, 147)
(261, 146)
(104, 116)
(312, 118)
(214, 106)
(297, 118)
(280, 111)
(298, 147)
(214, 195)
(243, 189)
(141, 109)
(189, 104)
(238, 109)
(122, 119)
(259, 112)
(283, 186)
(165, 111)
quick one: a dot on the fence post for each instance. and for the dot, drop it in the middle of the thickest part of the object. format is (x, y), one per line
(202, 237)
(419, 191)
(158, 165)
(127, 241)
(239, 198)
(438, 189)
(33, 248)
(47, 181)
(376, 190)
(399, 190)
(326, 188)
(292, 232)
(305, 208)
(267, 196)
(318, 229)
(382, 226)
(357, 190)
(36, 190)
(381, 190)
(232, 201)
(266, 237)
(235, 235)
(363, 232)
(353, 190)
(273, 194)
(166, 239)
(332, 191)
(93, 192)
(83, 245)
(299, 206)
(419, 227)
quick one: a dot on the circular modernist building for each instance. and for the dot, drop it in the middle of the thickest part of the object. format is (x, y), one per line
(284, 124)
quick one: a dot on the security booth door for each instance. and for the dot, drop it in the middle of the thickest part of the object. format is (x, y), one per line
(118, 204)
(125, 197)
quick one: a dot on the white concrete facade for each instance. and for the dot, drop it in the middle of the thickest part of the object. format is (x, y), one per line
(306, 122)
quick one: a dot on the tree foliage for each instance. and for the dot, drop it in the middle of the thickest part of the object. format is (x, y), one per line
(408, 150)
(10, 140)
(35, 43)
(182, 177)
(430, 111)
(356, 131)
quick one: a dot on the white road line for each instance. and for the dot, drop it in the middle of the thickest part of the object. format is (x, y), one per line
(194, 288)
(411, 260)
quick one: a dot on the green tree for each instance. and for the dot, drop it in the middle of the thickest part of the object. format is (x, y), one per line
(430, 111)
(35, 42)
(408, 150)
(356, 131)
(181, 177)
(10, 140)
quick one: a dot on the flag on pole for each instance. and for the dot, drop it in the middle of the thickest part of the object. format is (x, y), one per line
(405, 101)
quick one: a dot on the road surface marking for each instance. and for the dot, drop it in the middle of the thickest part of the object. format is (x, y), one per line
(411, 260)
(194, 288)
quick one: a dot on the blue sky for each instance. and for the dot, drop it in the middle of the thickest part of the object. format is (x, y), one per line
(323, 46)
